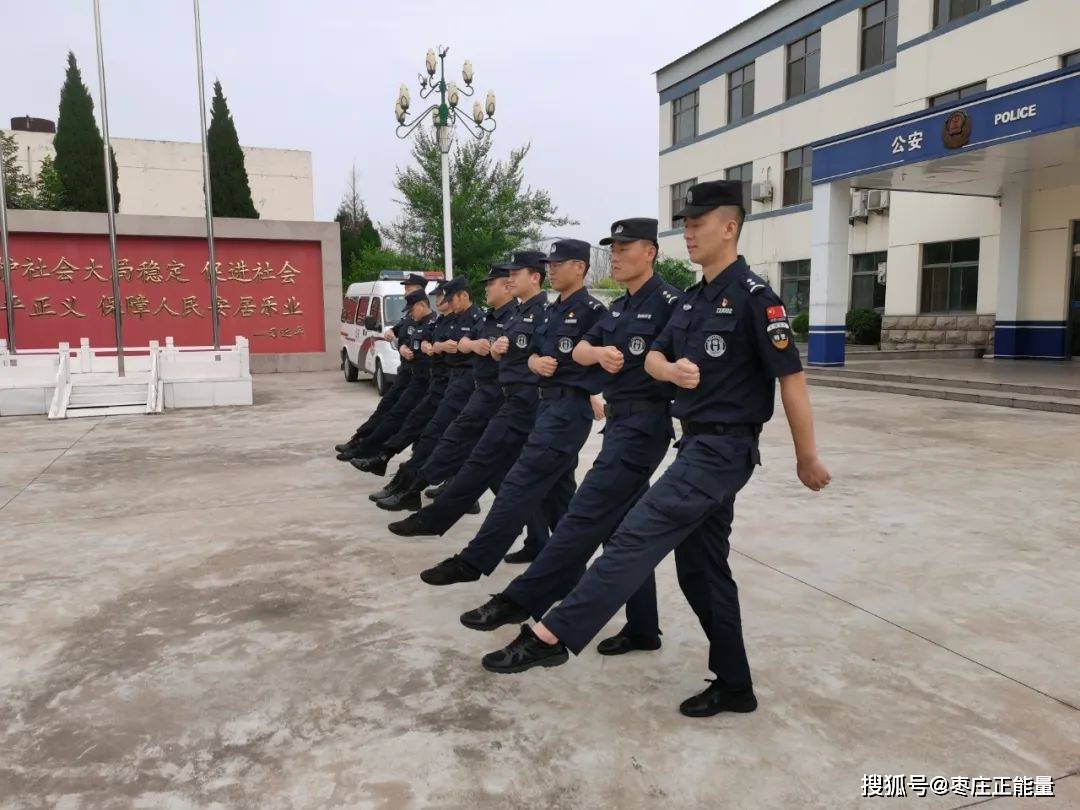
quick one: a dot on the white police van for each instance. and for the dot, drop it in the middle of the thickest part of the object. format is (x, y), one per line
(368, 310)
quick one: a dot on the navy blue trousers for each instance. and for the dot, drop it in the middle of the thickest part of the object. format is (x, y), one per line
(542, 478)
(487, 465)
(417, 418)
(395, 416)
(454, 399)
(689, 509)
(459, 439)
(389, 399)
(633, 448)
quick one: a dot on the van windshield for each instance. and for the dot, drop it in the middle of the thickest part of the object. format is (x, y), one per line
(393, 306)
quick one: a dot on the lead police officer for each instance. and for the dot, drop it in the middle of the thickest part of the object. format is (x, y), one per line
(723, 349)
(636, 438)
(400, 332)
(542, 478)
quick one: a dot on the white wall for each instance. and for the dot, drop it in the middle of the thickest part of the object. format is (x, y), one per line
(1016, 43)
(164, 178)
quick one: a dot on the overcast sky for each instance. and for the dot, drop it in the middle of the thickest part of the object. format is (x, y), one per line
(573, 78)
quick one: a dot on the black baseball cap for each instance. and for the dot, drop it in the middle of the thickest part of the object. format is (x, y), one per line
(704, 197)
(454, 285)
(497, 271)
(525, 259)
(632, 230)
(415, 297)
(565, 250)
(415, 278)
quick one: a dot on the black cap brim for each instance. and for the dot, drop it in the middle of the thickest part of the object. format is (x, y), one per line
(691, 211)
(556, 257)
(607, 240)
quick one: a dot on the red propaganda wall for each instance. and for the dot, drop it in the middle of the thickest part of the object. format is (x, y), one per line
(270, 292)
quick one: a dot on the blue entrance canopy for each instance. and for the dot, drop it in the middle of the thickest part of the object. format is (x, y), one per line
(1036, 107)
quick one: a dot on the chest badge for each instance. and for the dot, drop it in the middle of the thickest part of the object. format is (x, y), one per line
(637, 345)
(687, 306)
(615, 314)
(566, 345)
(715, 346)
(521, 341)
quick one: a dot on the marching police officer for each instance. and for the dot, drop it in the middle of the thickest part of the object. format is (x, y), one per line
(461, 436)
(636, 438)
(399, 332)
(506, 432)
(420, 367)
(465, 323)
(421, 415)
(543, 475)
(723, 349)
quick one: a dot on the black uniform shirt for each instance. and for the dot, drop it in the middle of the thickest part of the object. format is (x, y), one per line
(736, 331)
(631, 325)
(466, 324)
(421, 331)
(440, 331)
(514, 366)
(493, 327)
(564, 325)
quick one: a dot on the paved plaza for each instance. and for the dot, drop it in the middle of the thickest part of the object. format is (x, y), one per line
(202, 609)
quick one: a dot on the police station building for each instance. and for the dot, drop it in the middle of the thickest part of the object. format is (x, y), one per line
(918, 157)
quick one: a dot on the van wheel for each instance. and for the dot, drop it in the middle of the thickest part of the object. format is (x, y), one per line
(381, 384)
(352, 373)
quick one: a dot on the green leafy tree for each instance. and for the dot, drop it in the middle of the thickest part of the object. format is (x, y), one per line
(230, 191)
(676, 272)
(366, 264)
(79, 148)
(48, 190)
(492, 211)
(17, 186)
(358, 233)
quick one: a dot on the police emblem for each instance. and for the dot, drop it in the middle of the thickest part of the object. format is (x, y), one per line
(689, 197)
(566, 345)
(779, 334)
(957, 130)
(715, 346)
(618, 229)
(637, 345)
(522, 340)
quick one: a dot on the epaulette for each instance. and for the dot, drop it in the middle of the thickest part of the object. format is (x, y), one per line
(595, 305)
(670, 297)
(697, 285)
(755, 284)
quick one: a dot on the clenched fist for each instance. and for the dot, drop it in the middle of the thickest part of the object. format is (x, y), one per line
(611, 359)
(685, 373)
(544, 366)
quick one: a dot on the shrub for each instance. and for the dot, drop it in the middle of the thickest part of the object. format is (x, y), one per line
(864, 326)
(800, 325)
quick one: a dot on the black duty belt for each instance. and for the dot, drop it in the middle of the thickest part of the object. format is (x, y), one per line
(485, 383)
(512, 388)
(459, 371)
(719, 429)
(613, 410)
(560, 391)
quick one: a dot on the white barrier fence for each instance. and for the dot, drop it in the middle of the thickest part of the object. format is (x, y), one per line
(40, 381)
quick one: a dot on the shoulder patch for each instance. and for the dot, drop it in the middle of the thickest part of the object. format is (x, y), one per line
(754, 284)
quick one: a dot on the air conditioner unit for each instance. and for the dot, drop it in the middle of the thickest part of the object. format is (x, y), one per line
(877, 200)
(761, 192)
(859, 209)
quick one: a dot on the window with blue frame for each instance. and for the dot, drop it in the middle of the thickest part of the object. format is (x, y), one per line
(945, 11)
(795, 286)
(879, 33)
(684, 117)
(803, 65)
(741, 93)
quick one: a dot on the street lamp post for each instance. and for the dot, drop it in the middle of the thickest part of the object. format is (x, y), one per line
(444, 115)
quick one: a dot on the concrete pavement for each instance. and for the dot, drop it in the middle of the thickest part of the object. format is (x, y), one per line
(203, 610)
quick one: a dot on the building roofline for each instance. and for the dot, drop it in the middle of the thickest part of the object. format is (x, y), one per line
(720, 36)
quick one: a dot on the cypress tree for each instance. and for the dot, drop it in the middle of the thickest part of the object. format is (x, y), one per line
(230, 191)
(79, 162)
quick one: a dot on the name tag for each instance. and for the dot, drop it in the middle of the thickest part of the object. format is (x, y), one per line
(645, 317)
(724, 311)
(570, 320)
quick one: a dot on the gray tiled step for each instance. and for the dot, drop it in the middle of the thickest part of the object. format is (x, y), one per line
(988, 386)
(981, 396)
